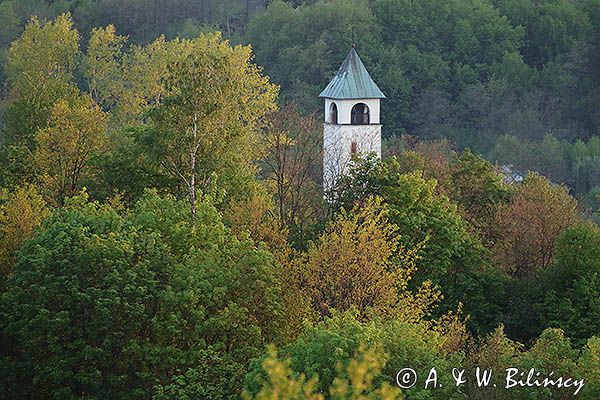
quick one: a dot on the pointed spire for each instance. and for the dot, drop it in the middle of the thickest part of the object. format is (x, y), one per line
(352, 81)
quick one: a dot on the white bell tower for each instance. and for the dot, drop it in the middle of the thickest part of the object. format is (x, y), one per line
(352, 126)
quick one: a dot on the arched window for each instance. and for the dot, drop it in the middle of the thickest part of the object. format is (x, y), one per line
(333, 114)
(353, 149)
(360, 114)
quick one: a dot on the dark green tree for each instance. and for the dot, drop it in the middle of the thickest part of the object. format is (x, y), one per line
(450, 253)
(572, 284)
(108, 303)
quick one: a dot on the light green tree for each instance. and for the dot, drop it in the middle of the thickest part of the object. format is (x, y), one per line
(104, 66)
(21, 213)
(360, 263)
(355, 382)
(40, 69)
(64, 149)
(216, 100)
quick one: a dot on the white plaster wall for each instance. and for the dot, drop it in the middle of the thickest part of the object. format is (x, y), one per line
(337, 148)
(345, 109)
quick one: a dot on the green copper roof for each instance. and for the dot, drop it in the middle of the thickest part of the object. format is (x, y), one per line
(352, 81)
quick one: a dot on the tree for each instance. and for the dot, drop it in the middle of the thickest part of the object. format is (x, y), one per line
(493, 351)
(104, 66)
(530, 224)
(357, 382)
(588, 364)
(300, 48)
(571, 283)
(409, 47)
(216, 100)
(293, 167)
(550, 355)
(64, 149)
(40, 69)
(551, 27)
(256, 216)
(20, 216)
(9, 23)
(466, 178)
(129, 81)
(127, 169)
(478, 189)
(281, 382)
(448, 253)
(329, 348)
(106, 303)
(552, 351)
(359, 263)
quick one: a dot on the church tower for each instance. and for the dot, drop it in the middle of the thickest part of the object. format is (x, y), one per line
(352, 126)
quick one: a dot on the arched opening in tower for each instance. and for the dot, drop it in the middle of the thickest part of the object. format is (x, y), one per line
(333, 114)
(360, 114)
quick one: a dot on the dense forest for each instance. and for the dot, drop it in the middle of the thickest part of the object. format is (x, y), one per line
(164, 233)
(515, 80)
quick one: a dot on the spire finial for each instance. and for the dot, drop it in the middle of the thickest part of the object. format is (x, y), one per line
(353, 42)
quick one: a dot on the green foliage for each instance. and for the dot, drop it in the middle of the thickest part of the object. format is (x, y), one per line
(588, 363)
(129, 79)
(359, 263)
(552, 351)
(551, 27)
(573, 282)
(127, 169)
(111, 303)
(103, 65)
(21, 214)
(215, 102)
(137, 297)
(457, 31)
(325, 349)
(40, 69)
(478, 189)
(9, 23)
(551, 355)
(214, 375)
(469, 180)
(425, 219)
(74, 135)
(142, 20)
(411, 48)
(356, 382)
(530, 224)
(302, 48)
(469, 71)
(574, 164)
